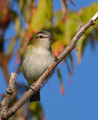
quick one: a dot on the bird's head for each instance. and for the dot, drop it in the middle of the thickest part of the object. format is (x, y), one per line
(43, 39)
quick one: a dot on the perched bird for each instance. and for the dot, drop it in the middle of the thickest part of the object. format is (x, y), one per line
(36, 58)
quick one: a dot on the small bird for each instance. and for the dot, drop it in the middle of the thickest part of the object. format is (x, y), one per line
(36, 59)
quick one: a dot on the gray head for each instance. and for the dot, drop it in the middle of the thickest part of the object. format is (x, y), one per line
(44, 34)
(44, 39)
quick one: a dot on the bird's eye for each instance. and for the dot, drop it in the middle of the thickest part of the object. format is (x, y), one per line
(41, 36)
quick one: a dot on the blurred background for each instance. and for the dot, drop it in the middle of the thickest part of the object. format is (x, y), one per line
(71, 93)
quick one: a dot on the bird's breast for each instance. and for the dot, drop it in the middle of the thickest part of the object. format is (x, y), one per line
(35, 63)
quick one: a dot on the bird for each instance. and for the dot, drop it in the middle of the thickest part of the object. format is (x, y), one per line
(37, 57)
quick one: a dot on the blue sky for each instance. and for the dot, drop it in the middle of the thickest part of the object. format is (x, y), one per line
(81, 98)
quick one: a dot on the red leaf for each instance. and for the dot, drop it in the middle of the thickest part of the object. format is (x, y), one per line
(72, 2)
(70, 76)
(56, 53)
(29, 35)
(18, 58)
(34, 31)
(3, 5)
(62, 90)
(61, 47)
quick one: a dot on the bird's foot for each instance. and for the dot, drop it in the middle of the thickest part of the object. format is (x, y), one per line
(32, 86)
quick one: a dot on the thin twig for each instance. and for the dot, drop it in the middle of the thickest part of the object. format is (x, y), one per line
(39, 82)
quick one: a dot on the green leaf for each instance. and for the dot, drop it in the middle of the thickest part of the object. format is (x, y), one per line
(25, 7)
(37, 111)
(43, 13)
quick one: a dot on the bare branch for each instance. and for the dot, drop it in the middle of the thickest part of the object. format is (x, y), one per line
(5, 102)
(40, 81)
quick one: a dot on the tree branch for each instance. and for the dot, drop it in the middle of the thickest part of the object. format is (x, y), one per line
(5, 102)
(40, 81)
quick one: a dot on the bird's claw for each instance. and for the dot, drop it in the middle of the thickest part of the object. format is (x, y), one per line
(32, 86)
